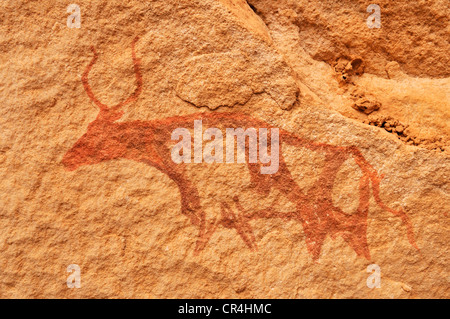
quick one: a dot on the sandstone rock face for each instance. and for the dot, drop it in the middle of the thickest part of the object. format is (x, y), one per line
(227, 79)
(87, 176)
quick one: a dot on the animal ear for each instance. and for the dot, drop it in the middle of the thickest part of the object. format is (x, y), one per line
(133, 97)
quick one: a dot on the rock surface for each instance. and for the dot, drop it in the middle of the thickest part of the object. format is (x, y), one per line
(313, 70)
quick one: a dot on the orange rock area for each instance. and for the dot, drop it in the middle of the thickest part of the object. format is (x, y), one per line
(86, 176)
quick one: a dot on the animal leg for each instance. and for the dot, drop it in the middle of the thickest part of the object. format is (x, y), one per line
(238, 222)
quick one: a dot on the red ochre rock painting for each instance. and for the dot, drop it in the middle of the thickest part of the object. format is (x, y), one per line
(141, 141)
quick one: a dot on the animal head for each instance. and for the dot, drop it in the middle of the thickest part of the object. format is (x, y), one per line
(99, 142)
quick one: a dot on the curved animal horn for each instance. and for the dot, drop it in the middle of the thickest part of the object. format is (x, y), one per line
(131, 98)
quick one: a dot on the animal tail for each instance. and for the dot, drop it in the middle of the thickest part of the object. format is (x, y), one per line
(375, 181)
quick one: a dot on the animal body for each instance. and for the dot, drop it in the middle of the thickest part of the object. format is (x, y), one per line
(146, 142)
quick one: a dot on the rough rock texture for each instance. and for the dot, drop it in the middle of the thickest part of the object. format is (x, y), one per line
(353, 189)
(227, 79)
